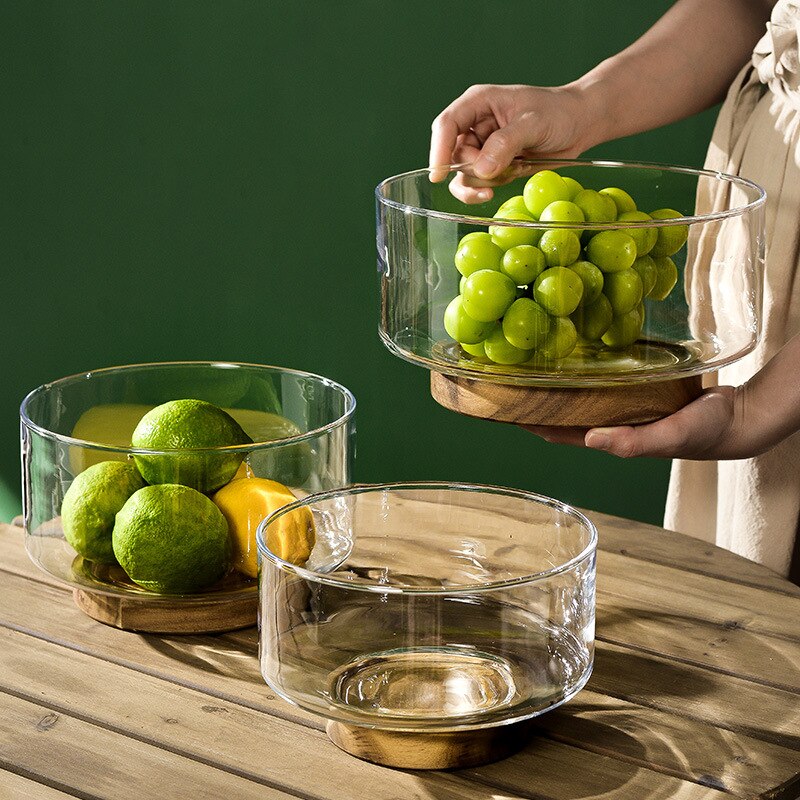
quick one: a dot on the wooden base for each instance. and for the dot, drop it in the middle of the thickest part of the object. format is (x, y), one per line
(627, 404)
(165, 616)
(428, 750)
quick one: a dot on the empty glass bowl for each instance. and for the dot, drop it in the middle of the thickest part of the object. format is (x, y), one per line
(301, 426)
(429, 607)
(619, 326)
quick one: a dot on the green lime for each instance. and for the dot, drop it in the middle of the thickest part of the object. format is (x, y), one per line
(90, 504)
(172, 539)
(189, 425)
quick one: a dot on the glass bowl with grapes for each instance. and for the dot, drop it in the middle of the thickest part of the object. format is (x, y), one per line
(582, 292)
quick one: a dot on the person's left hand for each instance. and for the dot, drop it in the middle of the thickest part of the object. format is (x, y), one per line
(705, 429)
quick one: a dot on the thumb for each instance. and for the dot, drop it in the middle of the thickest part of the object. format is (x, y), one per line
(500, 148)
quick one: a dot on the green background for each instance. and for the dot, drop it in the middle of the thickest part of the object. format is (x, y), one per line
(194, 180)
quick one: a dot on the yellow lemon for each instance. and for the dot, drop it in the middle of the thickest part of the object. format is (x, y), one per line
(244, 502)
(109, 424)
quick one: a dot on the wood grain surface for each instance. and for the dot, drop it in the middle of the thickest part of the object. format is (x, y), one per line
(695, 694)
(626, 404)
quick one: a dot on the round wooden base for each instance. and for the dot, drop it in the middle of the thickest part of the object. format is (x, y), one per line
(165, 616)
(627, 404)
(428, 750)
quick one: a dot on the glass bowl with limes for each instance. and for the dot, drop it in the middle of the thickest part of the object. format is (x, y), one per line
(143, 485)
(575, 292)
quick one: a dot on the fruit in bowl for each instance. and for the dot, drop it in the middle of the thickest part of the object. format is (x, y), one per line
(178, 519)
(528, 295)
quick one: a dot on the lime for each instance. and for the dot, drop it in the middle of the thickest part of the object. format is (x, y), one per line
(189, 425)
(90, 504)
(171, 539)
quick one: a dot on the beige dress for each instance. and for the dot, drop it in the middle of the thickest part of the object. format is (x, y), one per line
(752, 506)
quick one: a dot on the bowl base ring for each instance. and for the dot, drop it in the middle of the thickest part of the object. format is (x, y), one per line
(585, 407)
(448, 750)
(163, 616)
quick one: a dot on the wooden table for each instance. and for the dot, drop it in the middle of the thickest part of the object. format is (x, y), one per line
(695, 694)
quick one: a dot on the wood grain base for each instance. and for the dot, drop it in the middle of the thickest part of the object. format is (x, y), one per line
(428, 750)
(628, 404)
(163, 616)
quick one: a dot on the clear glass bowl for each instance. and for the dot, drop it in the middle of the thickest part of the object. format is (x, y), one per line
(429, 606)
(301, 424)
(712, 317)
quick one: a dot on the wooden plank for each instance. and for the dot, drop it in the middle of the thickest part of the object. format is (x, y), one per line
(735, 704)
(101, 763)
(182, 721)
(17, 787)
(637, 540)
(649, 627)
(231, 672)
(700, 597)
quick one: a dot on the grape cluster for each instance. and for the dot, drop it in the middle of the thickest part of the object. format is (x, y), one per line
(530, 293)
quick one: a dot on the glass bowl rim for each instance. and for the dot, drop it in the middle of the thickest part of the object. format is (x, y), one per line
(349, 397)
(569, 162)
(457, 589)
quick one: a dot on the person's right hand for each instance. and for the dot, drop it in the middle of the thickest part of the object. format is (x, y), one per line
(490, 125)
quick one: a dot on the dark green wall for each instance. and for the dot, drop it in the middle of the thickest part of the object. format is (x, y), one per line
(194, 180)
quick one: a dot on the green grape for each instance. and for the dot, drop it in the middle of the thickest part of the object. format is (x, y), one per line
(514, 205)
(648, 272)
(622, 200)
(645, 238)
(523, 264)
(558, 291)
(561, 340)
(592, 280)
(461, 283)
(624, 330)
(596, 207)
(573, 185)
(543, 188)
(475, 350)
(666, 278)
(501, 351)
(560, 247)
(611, 251)
(623, 290)
(526, 324)
(477, 251)
(670, 239)
(487, 295)
(592, 321)
(506, 237)
(461, 326)
(561, 211)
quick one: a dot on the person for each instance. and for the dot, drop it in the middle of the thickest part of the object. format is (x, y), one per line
(737, 478)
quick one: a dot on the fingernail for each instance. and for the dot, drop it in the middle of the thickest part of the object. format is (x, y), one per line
(486, 166)
(598, 439)
(483, 195)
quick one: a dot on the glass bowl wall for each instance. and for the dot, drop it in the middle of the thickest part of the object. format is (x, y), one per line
(301, 424)
(429, 607)
(711, 318)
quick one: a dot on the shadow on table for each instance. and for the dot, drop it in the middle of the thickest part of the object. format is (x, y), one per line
(236, 657)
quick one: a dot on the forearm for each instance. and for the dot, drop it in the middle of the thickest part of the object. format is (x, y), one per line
(767, 407)
(682, 65)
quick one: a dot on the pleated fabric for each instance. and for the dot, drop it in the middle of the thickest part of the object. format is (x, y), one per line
(752, 506)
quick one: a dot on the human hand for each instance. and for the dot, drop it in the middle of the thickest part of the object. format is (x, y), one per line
(489, 125)
(708, 428)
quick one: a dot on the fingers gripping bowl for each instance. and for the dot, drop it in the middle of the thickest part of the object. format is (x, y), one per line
(582, 293)
(143, 485)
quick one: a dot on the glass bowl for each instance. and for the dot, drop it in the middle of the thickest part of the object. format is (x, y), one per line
(429, 607)
(301, 425)
(710, 318)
